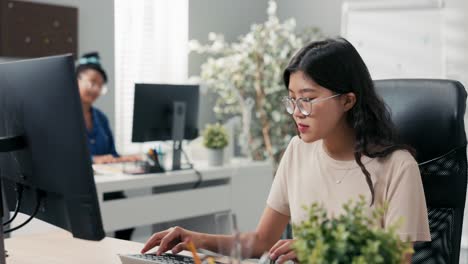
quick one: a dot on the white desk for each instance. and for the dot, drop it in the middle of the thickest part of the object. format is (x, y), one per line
(241, 187)
(61, 247)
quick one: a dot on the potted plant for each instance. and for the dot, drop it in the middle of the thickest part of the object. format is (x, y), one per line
(353, 237)
(215, 138)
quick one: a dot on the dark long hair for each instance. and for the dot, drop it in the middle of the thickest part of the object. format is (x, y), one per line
(336, 65)
(92, 61)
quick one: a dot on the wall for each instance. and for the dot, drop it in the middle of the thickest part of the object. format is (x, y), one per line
(456, 22)
(96, 33)
(231, 18)
(324, 14)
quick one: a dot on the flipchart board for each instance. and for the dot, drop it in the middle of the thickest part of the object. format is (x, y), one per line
(397, 39)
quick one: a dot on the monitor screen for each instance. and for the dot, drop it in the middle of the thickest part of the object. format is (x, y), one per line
(39, 100)
(153, 108)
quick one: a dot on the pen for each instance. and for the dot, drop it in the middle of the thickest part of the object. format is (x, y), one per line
(192, 248)
(210, 260)
(151, 153)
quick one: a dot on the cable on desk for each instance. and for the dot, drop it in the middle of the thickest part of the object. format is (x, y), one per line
(199, 175)
(19, 193)
(38, 205)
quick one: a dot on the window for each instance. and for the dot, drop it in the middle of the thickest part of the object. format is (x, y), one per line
(151, 46)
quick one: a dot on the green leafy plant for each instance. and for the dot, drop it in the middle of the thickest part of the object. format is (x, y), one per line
(215, 136)
(353, 237)
(247, 77)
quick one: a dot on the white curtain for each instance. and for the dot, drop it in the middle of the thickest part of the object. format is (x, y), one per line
(151, 46)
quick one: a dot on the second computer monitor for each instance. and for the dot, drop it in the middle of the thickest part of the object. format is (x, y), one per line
(153, 112)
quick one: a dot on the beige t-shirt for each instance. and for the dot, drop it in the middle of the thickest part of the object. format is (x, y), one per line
(307, 174)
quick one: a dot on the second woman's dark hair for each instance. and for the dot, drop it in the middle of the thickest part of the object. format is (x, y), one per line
(91, 61)
(336, 65)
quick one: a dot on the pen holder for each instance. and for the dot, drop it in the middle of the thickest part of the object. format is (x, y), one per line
(155, 168)
(154, 164)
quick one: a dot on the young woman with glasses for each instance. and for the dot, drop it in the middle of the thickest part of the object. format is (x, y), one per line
(346, 147)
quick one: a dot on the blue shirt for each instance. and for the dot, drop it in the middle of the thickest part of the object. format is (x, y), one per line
(100, 139)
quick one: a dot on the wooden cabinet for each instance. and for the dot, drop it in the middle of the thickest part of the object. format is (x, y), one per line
(35, 30)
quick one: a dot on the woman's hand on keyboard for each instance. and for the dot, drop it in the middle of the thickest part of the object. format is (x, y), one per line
(129, 158)
(103, 159)
(174, 239)
(283, 251)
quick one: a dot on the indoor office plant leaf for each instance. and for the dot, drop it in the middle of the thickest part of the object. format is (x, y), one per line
(247, 77)
(353, 237)
(215, 138)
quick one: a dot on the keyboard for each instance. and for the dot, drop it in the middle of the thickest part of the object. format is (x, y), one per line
(154, 259)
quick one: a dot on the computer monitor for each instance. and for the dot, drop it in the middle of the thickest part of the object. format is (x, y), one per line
(166, 112)
(40, 103)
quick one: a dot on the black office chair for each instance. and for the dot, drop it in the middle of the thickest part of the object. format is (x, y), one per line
(429, 117)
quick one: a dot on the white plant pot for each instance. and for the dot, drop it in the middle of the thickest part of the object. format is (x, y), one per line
(215, 157)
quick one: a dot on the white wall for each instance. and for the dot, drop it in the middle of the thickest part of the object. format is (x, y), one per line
(456, 39)
(96, 33)
(231, 18)
(324, 14)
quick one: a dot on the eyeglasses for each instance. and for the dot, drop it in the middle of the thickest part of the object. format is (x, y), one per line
(91, 85)
(304, 104)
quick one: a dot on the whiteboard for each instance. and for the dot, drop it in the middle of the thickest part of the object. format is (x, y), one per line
(397, 39)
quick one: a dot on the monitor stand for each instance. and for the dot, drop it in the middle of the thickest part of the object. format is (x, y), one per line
(178, 128)
(7, 144)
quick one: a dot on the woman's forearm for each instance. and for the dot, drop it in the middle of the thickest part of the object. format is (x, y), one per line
(254, 244)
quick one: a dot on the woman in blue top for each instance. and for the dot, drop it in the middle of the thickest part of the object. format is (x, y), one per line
(100, 140)
(91, 83)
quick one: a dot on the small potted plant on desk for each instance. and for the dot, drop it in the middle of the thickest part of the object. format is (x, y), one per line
(353, 237)
(215, 138)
